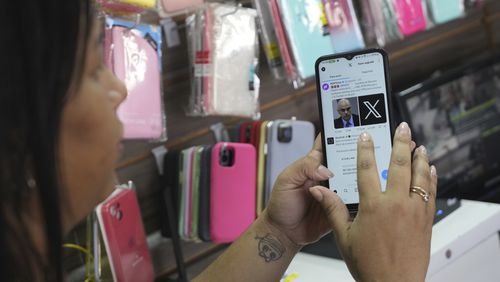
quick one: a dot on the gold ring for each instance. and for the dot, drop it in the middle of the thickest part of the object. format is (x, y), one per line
(421, 192)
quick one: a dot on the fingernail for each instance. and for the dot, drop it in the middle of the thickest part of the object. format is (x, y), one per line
(423, 150)
(324, 172)
(403, 129)
(365, 137)
(433, 171)
(316, 194)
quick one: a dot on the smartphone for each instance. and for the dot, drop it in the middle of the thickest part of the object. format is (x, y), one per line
(120, 221)
(354, 97)
(289, 140)
(232, 190)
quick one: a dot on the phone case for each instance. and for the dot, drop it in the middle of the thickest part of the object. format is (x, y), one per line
(446, 10)
(345, 32)
(171, 189)
(136, 63)
(232, 205)
(280, 154)
(120, 221)
(261, 167)
(204, 210)
(189, 193)
(410, 16)
(255, 134)
(195, 200)
(245, 132)
(184, 182)
(304, 27)
(172, 6)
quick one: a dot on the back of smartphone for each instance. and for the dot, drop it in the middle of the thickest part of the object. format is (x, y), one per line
(446, 10)
(125, 241)
(410, 16)
(135, 62)
(233, 182)
(288, 141)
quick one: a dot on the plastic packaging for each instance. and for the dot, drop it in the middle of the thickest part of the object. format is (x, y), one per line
(269, 39)
(410, 16)
(223, 50)
(305, 23)
(126, 6)
(379, 22)
(343, 25)
(445, 10)
(133, 52)
(169, 8)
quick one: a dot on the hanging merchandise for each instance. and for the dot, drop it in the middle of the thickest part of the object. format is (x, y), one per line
(133, 52)
(126, 6)
(223, 50)
(307, 30)
(380, 21)
(410, 16)
(286, 53)
(169, 8)
(343, 25)
(121, 223)
(269, 38)
(445, 10)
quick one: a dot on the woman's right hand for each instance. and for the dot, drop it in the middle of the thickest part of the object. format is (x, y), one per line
(389, 239)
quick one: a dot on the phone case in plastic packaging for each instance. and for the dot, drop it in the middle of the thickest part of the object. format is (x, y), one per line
(442, 11)
(223, 48)
(269, 38)
(235, 88)
(133, 52)
(410, 16)
(286, 53)
(380, 20)
(343, 25)
(307, 30)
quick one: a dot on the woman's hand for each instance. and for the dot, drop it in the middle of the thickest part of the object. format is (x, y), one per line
(291, 208)
(389, 239)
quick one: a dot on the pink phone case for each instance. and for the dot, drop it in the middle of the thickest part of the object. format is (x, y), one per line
(232, 195)
(171, 6)
(135, 62)
(124, 237)
(410, 15)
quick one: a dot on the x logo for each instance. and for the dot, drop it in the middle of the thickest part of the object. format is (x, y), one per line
(371, 109)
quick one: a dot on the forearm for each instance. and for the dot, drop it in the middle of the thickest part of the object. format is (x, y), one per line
(262, 253)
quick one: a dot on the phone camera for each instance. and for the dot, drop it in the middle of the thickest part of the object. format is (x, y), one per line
(323, 69)
(226, 157)
(119, 215)
(285, 133)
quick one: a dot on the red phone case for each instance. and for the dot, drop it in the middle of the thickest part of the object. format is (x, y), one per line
(232, 195)
(124, 237)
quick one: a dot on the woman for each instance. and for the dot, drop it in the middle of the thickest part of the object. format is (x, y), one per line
(61, 143)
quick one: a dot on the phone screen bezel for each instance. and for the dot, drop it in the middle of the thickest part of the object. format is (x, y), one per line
(353, 208)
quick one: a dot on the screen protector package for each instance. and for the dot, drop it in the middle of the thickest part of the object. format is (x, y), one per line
(410, 16)
(343, 25)
(223, 47)
(269, 38)
(305, 23)
(133, 52)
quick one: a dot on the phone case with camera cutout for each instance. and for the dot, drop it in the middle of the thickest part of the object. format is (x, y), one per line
(232, 191)
(123, 233)
(281, 154)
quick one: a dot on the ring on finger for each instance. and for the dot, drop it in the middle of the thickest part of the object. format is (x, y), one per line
(421, 192)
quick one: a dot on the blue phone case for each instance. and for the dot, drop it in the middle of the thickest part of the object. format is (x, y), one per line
(345, 32)
(446, 10)
(305, 30)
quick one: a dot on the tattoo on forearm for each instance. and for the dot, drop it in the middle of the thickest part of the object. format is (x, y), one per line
(270, 247)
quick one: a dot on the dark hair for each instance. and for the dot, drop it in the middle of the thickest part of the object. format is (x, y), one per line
(42, 57)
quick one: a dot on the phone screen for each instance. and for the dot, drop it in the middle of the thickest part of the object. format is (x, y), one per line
(353, 99)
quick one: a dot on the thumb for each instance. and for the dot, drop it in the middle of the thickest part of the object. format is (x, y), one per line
(335, 210)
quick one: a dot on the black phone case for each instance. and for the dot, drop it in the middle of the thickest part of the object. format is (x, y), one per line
(170, 191)
(204, 209)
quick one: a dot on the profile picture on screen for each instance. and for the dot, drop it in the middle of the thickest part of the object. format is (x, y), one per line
(345, 112)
